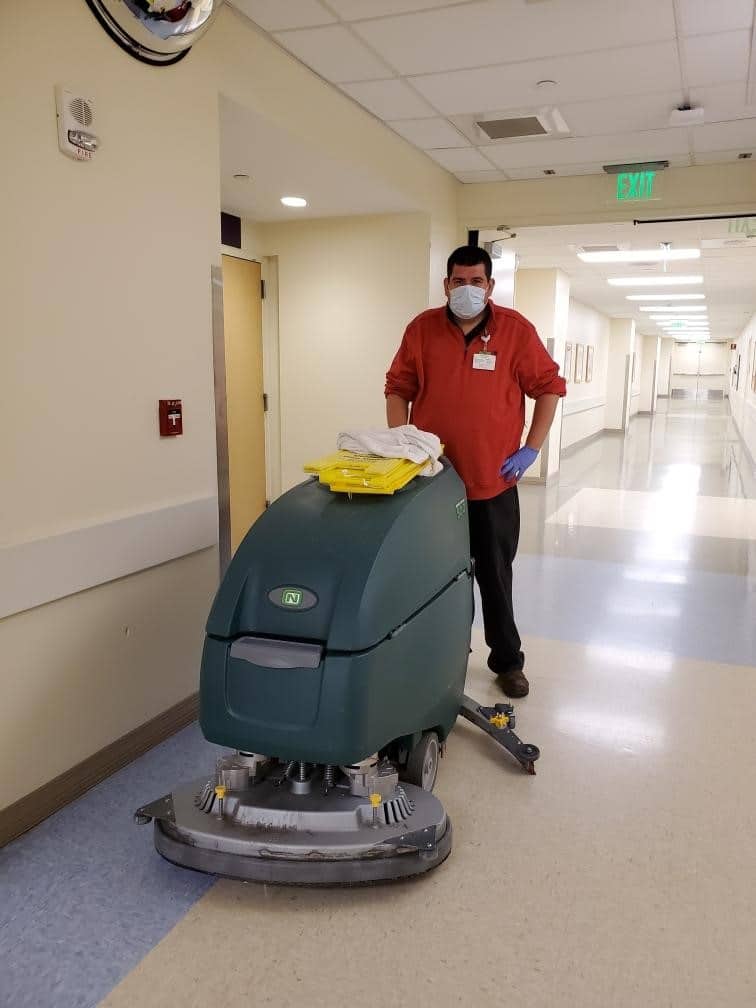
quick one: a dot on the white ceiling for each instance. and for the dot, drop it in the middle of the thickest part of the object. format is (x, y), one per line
(619, 69)
(729, 270)
(274, 159)
(425, 67)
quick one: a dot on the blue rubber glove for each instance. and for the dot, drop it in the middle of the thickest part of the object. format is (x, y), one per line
(516, 464)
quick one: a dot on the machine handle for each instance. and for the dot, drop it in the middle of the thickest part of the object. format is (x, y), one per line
(281, 654)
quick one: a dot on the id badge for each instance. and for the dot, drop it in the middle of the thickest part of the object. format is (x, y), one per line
(484, 361)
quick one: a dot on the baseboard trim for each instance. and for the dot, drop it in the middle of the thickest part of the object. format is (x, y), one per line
(570, 449)
(29, 811)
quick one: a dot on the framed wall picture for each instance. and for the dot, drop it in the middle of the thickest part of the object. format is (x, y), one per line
(567, 374)
(753, 366)
(579, 361)
(589, 364)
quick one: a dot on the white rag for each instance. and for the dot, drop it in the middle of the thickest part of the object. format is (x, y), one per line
(397, 442)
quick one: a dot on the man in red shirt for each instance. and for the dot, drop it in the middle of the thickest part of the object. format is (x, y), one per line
(462, 372)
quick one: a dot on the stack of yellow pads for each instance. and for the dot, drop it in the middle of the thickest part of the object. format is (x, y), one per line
(347, 472)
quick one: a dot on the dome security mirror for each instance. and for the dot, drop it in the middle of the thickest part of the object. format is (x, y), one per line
(158, 32)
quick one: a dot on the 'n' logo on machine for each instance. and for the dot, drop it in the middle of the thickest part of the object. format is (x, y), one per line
(291, 597)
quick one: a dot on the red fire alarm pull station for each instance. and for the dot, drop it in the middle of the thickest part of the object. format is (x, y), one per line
(171, 421)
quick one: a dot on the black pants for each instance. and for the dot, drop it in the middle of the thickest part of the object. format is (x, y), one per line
(494, 534)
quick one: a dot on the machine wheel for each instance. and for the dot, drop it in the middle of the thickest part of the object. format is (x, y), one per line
(422, 764)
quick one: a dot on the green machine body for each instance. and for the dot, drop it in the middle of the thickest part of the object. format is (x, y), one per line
(342, 625)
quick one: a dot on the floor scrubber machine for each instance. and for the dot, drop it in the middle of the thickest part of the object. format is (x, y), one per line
(334, 668)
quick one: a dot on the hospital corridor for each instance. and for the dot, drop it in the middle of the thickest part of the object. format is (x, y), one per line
(623, 870)
(378, 504)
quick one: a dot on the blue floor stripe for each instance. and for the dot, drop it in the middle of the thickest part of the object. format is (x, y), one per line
(84, 896)
(711, 616)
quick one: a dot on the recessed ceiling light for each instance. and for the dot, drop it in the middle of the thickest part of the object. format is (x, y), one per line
(654, 281)
(677, 308)
(639, 255)
(545, 85)
(665, 297)
(745, 156)
(549, 171)
(294, 201)
(241, 175)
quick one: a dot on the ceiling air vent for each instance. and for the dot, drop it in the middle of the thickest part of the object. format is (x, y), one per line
(510, 125)
(510, 129)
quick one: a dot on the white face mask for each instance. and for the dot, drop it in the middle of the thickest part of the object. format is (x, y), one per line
(467, 302)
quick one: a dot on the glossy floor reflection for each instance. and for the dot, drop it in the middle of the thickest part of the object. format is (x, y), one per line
(623, 873)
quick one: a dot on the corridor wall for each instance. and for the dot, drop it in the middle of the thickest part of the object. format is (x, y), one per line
(345, 296)
(108, 559)
(743, 399)
(584, 412)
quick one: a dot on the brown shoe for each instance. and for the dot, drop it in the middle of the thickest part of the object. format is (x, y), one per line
(514, 684)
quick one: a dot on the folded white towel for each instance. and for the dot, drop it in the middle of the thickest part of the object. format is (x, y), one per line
(397, 442)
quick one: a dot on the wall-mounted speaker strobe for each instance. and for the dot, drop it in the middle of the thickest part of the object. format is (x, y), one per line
(76, 125)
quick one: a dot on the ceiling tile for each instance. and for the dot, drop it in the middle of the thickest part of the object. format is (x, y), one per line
(614, 115)
(490, 32)
(647, 146)
(334, 53)
(389, 99)
(725, 136)
(428, 133)
(352, 10)
(701, 17)
(579, 78)
(460, 159)
(723, 101)
(723, 156)
(717, 59)
(481, 176)
(272, 15)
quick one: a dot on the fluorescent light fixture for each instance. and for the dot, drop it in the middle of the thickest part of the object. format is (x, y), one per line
(665, 297)
(294, 201)
(654, 281)
(677, 307)
(639, 255)
(671, 329)
(678, 317)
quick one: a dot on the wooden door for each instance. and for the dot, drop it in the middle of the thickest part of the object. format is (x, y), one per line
(242, 326)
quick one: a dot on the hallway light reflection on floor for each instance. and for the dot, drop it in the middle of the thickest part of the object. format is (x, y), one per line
(621, 660)
(662, 549)
(648, 608)
(611, 730)
(674, 506)
(654, 577)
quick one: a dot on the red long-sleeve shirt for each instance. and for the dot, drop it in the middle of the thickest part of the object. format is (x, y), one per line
(478, 414)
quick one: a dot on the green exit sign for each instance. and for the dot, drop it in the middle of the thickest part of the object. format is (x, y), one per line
(635, 185)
